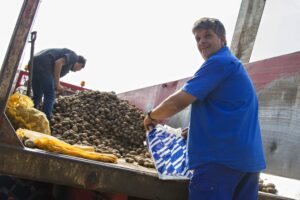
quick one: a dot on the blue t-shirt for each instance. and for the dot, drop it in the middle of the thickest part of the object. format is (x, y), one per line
(44, 60)
(224, 126)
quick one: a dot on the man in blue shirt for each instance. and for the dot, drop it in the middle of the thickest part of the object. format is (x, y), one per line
(48, 67)
(224, 140)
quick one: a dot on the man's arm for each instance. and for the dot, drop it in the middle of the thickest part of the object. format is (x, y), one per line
(57, 69)
(169, 107)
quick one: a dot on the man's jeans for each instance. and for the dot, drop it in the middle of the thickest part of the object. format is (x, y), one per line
(217, 182)
(43, 85)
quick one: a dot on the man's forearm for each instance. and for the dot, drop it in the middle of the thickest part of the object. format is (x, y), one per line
(57, 71)
(56, 77)
(172, 105)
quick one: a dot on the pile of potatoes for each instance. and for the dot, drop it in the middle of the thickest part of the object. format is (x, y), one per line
(110, 125)
(102, 120)
(267, 187)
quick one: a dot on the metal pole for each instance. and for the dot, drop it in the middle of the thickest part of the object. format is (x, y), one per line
(30, 67)
(246, 28)
(10, 66)
(15, 50)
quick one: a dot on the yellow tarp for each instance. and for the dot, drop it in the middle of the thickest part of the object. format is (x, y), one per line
(50, 143)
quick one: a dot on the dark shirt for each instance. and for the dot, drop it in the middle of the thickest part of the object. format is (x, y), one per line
(44, 60)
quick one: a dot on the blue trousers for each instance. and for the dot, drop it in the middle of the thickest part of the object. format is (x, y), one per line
(217, 182)
(43, 86)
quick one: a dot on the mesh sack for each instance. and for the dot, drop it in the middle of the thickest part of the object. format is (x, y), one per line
(22, 114)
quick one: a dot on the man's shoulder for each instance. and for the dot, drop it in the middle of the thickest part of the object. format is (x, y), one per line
(218, 60)
(223, 57)
(223, 60)
(68, 54)
(59, 50)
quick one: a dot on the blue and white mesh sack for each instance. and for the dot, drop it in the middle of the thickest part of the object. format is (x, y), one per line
(168, 150)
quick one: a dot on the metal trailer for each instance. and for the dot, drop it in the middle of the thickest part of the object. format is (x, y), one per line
(39, 165)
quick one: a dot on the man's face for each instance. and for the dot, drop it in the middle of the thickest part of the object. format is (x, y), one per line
(77, 67)
(208, 42)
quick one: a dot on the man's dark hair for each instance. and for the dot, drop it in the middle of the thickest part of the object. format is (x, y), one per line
(81, 60)
(210, 23)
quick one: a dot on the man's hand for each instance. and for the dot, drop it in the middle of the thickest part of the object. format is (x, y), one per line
(185, 133)
(60, 88)
(149, 123)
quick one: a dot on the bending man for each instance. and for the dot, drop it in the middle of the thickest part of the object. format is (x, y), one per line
(48, 67)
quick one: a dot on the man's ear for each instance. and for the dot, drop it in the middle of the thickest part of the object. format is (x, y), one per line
(223, 40)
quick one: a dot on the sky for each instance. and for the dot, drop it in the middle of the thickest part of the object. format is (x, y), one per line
(137, 43)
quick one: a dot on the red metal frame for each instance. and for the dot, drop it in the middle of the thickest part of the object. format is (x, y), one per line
(70, 88)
